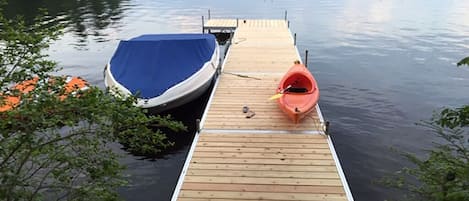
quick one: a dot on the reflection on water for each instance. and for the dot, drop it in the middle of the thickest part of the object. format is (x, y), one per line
(83, 18)
(381, 66)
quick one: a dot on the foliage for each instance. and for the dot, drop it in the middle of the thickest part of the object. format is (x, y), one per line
(21, 48)
(444, 174)
(452, 118)
(464, 61)
(54, 148)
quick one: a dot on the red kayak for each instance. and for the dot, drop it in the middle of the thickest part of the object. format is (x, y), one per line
(299, 92)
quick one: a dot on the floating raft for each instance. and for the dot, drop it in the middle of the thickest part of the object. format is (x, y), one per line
(265, 156)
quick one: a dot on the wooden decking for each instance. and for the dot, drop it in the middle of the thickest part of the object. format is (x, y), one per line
(265, 157)
(221, 24)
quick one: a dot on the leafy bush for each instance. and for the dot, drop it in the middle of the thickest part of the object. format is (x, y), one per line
(444, 174)
(54, 148)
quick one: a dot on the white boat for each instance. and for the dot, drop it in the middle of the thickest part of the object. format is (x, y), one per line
(164, 71)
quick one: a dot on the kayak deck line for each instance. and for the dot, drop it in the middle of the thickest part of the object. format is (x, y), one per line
(247, 148)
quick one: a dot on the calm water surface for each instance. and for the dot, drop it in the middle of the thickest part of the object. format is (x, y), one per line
(382, 66)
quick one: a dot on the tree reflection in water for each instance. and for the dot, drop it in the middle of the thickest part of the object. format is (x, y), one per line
(86, 19)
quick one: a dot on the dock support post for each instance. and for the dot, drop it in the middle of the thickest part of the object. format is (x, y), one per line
(237, 22)
(286, 14)
(209, 14)
(203, 25)
(197, 125)
(306, 58)
(327, 128)
(294, 39)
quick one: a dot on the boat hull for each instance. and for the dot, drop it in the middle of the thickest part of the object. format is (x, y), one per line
(187, 98)
(300, 93)
(180, 94)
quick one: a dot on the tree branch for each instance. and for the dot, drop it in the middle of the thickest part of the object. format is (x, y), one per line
(22, 142)
(40, 186)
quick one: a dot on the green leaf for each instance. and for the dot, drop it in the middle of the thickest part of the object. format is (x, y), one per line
(464, 61)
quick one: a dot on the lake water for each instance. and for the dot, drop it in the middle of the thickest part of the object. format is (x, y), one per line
(381, 66)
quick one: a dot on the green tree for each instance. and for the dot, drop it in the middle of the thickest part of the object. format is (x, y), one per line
(54, 148)
(443, 175)
(464, 61)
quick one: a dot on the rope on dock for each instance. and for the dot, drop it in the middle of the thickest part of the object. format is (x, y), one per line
(240, 75)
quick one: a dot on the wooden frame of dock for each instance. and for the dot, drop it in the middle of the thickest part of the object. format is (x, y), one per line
(237, 156)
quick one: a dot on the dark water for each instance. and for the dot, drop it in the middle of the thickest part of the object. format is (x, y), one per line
(382, 65)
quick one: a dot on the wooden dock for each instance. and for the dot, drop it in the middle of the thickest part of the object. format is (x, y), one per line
(266, 156)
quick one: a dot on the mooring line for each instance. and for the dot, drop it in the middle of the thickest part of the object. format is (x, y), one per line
(241, 75)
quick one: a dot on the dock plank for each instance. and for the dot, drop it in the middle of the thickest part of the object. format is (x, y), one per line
(265, 180)
(278, 155)
(264, 167)
(264, 188)
(264, 174)
(262, 195)
(265, 150)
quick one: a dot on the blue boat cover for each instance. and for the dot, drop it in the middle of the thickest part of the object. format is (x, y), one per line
(151, 64)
